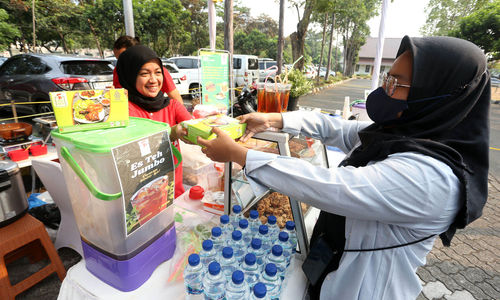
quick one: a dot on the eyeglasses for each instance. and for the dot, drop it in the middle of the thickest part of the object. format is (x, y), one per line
(391, 83)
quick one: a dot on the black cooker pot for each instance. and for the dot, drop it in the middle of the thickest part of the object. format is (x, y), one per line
(13, 199)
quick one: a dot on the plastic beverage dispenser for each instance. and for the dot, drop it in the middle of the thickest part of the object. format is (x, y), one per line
(121, 185)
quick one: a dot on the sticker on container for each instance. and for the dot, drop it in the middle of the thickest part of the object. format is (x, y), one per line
(146, 174)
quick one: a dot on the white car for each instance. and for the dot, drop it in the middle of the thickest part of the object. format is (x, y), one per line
(179, 78)
(190, 67)
(264, 64)
(322, 72)
(310, 72)
(245, 69)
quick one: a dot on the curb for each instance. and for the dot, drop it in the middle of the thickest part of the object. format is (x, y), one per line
(318, 89)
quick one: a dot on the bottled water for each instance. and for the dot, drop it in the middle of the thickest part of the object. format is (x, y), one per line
(214, 283)
(226, 227)
(273, 228)
(285, 244)
(254, 222)
(193, 277)
(238, 246)
(237, 288)
(245, 231)
(217, 238)
(292, 235)
(251, 269)
(207, 253)
(263, 235)
(259, 292)
(227, 262)
(256, 249)
(236, 216)
(272, 281)
(276, 257)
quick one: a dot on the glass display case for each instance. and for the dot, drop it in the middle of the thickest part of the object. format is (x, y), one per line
(238, 190)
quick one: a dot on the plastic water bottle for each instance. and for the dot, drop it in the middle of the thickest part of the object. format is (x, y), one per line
(226, 227)
(245, 230)
(251, 269)
(285, 244)
(256, 249)
(214, 282)
(276, 257)
(207, 253)
(236, 216)
(259, 292)
(254, 222)
(237, 288)
(263, 235)
(273, 227)
(292, 235)
(227, 262)
(217, 238)
(193, 277)
(238, 246)
(272, 281)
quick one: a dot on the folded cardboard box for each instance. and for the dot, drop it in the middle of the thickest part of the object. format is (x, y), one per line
(203, 127)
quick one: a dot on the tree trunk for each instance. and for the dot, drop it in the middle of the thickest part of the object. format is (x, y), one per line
(330, 47)
(322, 47)
(298, 38)
(96, 39)
(65, 47)
(281, 40)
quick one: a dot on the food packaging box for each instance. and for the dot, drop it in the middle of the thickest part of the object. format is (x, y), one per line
(90, 109)
(214, 203)
(203, 127)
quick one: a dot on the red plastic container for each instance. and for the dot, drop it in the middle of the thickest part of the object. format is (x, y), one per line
(17, 155)
(37, 150)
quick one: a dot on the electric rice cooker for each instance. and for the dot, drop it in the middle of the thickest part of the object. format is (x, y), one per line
(13, 199)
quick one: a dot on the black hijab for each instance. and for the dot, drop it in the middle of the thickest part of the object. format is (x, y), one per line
(127, 68)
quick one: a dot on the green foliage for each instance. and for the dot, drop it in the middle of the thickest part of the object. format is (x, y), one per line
(482, 28)
(7, 31)
(256, 43)
(300, 84)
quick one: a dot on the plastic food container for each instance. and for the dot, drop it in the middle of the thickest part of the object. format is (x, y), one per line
(18, 155)
(37, 150)
(196, 193)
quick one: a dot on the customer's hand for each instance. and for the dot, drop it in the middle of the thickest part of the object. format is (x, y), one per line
(223, 148)
(259, 122)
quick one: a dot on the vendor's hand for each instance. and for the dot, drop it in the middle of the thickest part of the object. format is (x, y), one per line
(177, 132)
(223, 148)
(259, 122)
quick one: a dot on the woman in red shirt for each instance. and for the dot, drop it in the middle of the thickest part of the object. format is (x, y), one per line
(140, 72)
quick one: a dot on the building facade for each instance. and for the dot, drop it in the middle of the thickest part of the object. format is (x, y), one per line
(367, 55)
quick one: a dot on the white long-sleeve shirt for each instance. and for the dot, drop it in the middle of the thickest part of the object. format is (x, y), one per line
(403, 198)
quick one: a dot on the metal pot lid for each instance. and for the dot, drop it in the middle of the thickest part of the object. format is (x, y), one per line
(9, 166)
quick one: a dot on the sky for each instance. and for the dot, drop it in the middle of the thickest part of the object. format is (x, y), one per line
(404, 17)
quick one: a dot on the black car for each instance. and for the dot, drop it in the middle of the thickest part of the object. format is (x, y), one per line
(30, 78)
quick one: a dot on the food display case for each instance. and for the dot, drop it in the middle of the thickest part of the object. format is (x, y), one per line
(238, 190)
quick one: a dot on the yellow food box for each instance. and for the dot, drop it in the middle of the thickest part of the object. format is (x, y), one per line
(203, 127)
(90, 109)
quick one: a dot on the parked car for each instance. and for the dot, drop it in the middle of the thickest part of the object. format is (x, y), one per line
(190, 66)
(322, 72)
(245, 69)
(310, 71)
(264, 64)
(112, 60)
(179, 78)
(30, 78)
(2, 60)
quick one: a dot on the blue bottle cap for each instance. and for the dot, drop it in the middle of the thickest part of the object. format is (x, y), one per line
(224, 219)
(216, 231)
(283, 236)
(236, 235)
(271, 269)
(277, 250)
(254, 214)
(243, 223)
(271, 220)
(236, 209)
(256, 243)
(214, 268)
(259, 290)
(290, 225)
(250, 259)
(207, 245)
(238, 277)
(193, 259)
(227, 252)
(263, 229)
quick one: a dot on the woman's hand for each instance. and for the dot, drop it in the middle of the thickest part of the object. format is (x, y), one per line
(259, 122)
(177, 132)
(223, 148)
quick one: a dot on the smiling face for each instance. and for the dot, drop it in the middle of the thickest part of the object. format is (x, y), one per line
(149, 79)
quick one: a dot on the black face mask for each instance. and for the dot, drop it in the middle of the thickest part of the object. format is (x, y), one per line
(383, 109)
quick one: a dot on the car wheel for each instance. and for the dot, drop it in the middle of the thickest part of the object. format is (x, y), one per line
(195, 91)
(44, 108)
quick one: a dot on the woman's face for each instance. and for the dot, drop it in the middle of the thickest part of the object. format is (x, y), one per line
(402, 70)
(149, 79)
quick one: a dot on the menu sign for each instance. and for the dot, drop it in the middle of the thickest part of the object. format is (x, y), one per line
(146, 172)
(215, 78)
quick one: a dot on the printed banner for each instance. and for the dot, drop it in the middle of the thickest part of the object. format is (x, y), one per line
(215, 78)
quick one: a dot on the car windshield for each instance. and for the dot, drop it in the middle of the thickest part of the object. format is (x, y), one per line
(171, 69)
(87, 67)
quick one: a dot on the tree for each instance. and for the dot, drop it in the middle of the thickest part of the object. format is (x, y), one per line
(106, 17)
(8, 32)
(255, 43)
(298, 37)
(443, 15)
(197, 26)
(482, 27)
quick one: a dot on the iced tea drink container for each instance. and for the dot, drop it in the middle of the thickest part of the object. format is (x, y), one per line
(273, 103)
(261, 93)
(285, 95)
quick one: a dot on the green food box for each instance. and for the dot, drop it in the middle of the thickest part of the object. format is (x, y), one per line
(90, 109)
(203, 127)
